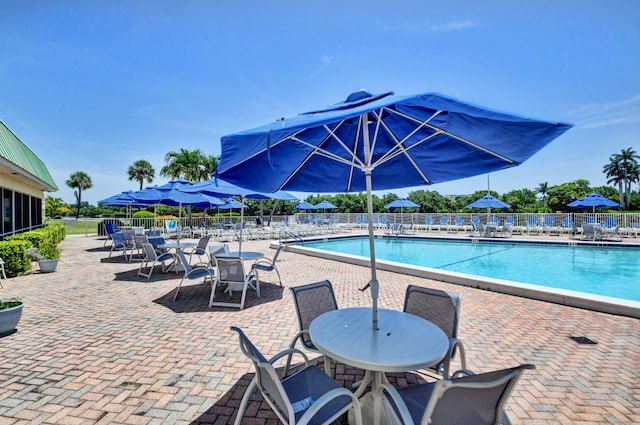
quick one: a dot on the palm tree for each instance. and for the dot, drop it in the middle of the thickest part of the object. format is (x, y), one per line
(209, 166)
(543, 189)
(79, 180)
(185, 163)
(140, 171)
(622, 170)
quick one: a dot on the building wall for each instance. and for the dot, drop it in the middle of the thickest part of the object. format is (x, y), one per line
(21, 204)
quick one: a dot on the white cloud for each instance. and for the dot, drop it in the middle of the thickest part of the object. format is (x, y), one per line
(608, 114)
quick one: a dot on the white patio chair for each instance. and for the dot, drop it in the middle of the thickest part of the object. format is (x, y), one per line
(197, 272)
(268, 265)
(330, 399)
(152, 258)
(119, 243)
(230, 271)
(199, 251)
(311, 300)
(442, 308)
(471, 399)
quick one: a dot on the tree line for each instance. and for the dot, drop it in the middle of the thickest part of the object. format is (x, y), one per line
(622, 170)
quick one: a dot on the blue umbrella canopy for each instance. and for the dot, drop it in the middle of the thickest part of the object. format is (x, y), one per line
(376, 142)
(593, 200)
(175, 197)
(305, 206)
(178, 183)
(123, 199)
(219, 187)
(230, 204)
(325, 205)
(401, 203)
(488, 201)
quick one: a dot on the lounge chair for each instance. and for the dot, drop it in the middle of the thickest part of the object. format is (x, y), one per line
(549, 226)
(331, 400)
(171, 228)
(311, 300)
(567, 225)
(532, 226)
(444, 223)
(471, 399)
(428, 221)
(197, 272)
(442, 308)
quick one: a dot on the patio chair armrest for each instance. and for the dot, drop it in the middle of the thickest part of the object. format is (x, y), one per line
(289, 352)
(455, 347)
(327, 398)
(398, 405)
(461, 373)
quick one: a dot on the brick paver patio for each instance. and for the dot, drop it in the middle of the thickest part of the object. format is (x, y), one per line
(98, 345)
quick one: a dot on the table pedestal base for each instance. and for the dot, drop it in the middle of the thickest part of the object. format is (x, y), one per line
(387, 417)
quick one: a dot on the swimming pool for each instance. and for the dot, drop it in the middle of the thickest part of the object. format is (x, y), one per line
(598, 270)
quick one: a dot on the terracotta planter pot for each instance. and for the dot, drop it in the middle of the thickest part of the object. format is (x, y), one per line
(9, 318)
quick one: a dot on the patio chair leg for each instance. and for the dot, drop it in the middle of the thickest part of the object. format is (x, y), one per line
(245, 401)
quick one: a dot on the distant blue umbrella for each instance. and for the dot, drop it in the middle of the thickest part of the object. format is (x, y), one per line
(325, 205)
(123, 199)
(593, 200)
(178, 183)
(230, 204)
(219, 187)
(305, 206)
(488, 201)
(401, 203)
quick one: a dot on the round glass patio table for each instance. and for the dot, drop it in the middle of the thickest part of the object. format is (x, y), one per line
(402, 343)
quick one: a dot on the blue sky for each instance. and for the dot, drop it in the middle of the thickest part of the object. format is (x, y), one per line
(97, 85)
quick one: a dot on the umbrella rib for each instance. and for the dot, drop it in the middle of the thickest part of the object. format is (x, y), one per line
(317, 150)
(442, 131)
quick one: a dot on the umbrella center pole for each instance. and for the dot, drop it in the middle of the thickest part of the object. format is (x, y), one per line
(373, 283)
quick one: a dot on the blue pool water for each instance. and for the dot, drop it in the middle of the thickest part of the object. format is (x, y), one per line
(612, 272)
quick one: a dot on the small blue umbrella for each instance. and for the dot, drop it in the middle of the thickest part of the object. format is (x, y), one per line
(593, 200)
(305, 206)
(325, 205)
(401, 203)
(488, 202)
(377, 142)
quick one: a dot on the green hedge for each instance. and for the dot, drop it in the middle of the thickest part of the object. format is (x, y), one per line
(14, 249)
(14, 254)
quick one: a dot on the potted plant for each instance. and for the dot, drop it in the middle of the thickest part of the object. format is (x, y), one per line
(47, 257)
(10, 313)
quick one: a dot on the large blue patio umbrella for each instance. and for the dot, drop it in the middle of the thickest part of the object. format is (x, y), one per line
(401, 203)
(378, 142)
(176, 198)
(219, 187)
(593, 200)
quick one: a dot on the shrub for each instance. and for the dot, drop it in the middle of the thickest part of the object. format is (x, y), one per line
(143, 214)
(14, 254)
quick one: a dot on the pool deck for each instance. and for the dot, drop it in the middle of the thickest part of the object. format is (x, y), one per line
(98, 345)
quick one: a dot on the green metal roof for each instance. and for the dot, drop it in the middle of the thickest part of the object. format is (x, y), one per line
(13, 150)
